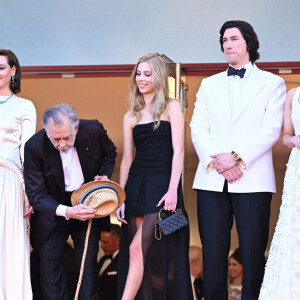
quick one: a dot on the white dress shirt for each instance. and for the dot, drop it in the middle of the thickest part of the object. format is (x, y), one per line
(236, 85)
(107, 263)
(193, 287)
(72, 173)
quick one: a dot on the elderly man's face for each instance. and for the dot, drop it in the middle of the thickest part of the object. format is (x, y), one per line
(62, 136)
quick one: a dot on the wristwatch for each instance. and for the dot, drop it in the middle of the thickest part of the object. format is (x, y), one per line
(235, 156)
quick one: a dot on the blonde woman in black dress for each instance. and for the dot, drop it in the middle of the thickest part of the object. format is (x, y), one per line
(150, 172)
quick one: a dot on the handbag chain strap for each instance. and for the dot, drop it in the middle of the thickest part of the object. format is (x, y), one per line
(157, 230)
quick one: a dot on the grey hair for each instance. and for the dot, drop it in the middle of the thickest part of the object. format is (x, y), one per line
(57, 112)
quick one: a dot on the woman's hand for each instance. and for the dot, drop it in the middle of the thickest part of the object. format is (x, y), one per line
(170, 199)
(28, 209)
(296, 141)
(120, 214)
(28, 212)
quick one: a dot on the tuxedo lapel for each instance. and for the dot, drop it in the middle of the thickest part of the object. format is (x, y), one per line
(222, 96)
(101, 262)
(83, 147)
(251, 88)
(55, 164)
(111, 267)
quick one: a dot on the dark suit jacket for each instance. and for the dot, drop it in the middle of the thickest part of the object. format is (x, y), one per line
(44, 177)
(108, 281)
(198, 286)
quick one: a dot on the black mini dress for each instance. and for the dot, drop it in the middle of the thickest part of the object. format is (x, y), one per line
(166, 261)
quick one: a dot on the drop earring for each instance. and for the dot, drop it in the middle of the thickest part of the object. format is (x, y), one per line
(13, 78)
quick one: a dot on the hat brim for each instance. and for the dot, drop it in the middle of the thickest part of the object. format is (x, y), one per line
(80, 194)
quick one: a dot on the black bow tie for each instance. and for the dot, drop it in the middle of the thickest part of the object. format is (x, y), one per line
(107, 257)
(233, 71)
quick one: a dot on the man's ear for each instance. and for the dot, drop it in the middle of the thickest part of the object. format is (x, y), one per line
(47, 133)
(76, 128)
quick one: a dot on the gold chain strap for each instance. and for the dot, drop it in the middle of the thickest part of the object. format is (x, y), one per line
(157, 229)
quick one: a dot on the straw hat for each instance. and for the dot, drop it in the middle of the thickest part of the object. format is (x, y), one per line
(105, 195)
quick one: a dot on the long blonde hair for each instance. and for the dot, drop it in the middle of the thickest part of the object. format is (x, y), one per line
(161, 87)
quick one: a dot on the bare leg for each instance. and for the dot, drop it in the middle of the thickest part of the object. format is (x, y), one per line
(136, 264)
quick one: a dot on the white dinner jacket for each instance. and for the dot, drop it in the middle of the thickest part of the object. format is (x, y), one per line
(251, 132)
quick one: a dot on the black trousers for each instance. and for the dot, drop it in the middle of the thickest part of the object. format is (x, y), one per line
(215, 220)
(51, 259)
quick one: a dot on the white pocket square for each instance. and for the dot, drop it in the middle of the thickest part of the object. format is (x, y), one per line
(112, 273)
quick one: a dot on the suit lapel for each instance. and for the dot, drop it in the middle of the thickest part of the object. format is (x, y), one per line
(112, 266)
(222, 96)
(56, 165)
(251, 88)
(83, 147)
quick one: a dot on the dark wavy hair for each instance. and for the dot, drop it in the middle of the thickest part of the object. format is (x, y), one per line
(115, 230)
(249, 35)
(237, 255)
(12, 60)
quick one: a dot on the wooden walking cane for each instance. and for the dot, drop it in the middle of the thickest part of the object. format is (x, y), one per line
(106, 196)
(83, 259)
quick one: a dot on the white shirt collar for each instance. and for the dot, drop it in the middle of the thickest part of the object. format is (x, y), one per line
(115, 254)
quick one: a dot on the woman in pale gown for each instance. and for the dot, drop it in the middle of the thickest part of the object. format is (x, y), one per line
(282, 273)
(17, 125)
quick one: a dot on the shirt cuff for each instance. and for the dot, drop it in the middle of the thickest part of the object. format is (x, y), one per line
(61, 211)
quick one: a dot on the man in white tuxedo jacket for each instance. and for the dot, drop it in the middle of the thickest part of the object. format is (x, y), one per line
(236, 121)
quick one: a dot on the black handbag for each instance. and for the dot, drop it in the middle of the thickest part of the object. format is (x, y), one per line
(170, 224)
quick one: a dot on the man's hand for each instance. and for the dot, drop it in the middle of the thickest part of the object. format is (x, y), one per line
(232, 174)
(101, 177)
(222, 162)
(80, 212)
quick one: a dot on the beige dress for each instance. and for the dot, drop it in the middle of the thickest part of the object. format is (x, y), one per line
(17, 125)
